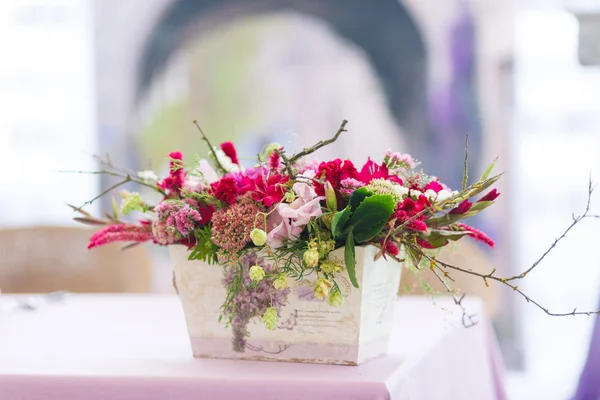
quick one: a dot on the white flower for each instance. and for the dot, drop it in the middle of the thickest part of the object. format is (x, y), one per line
(401, 190)
(258, 237)
(208, 172)
(226, 162)
(415, 193)
(147, 176)
(431, 194)
(443, 195)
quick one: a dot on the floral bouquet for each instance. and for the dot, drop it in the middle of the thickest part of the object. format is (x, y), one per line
(284, 217)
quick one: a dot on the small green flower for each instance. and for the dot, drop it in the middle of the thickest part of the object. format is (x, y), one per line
(311, 257)
(322, 287)
(331, 267)
(258, 236)
(257, 273)
(270, 318)
(280, 283)
(336, 299)
(325, 247)
(289, 196)
(131, 202)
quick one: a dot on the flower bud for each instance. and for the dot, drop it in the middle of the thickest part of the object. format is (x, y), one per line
(270, 318)
(131, 202)
(321, 289)
(257, 273)
(258, 236)
(280, 283)
(268, 149)
(330, 198)
(311, 257)
(336, 299)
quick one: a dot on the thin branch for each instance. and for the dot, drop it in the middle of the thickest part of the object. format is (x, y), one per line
(576, 220)
(466, 319)
(116, 185)
(466, 167)
(210, 147)
(289, 161)
(505, 281)
(127, 177)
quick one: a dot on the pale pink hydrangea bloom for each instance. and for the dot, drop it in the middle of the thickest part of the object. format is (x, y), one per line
(399, 159)
(174, 220)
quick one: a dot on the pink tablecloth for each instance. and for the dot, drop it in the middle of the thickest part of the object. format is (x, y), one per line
(117, 347)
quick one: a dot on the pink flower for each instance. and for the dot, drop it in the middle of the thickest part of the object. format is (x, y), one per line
(267, 190)
(176, 179)
(349, 185)
(372, 171)
(231, 226)
(389, 247)
(229, 150)
(225, 190)
(490, 196)
(121, 233)
(476, 234)
(175, 220)
(274, 162)
(462, 208)
(335, 172)
(434, 185)
(288, 221)
(408, 209)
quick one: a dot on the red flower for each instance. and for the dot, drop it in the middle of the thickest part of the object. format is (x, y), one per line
(408, 209)
(424, 243)
(389, 247)
(372, 171)
(334, 172)
(229, 150)
(476, 234)
(225, 190)
(434, 185)
(462, 207)
(174, 182)
(267, 190)
(491, 196)
(274, 161)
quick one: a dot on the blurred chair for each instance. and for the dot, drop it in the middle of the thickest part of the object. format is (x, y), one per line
(465, 254)
(46, 259)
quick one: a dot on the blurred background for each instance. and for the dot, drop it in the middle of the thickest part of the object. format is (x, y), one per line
(80, 78)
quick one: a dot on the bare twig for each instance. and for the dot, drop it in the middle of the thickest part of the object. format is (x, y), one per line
(576, 220)
(126, 177)
(210, 147)
(466, 319)
(466, 167)
(505, 281)
(289, 161)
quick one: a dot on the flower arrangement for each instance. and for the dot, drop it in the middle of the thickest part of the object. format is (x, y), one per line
(281, 218)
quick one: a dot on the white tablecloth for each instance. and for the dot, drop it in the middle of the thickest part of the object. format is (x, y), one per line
(136, 347)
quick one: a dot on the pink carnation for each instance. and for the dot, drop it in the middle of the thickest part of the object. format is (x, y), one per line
(349, 185)
(175, 220)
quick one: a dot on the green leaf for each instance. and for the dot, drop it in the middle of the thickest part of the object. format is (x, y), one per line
(481, 186)
(481, 205)
(340, 220)
(205, 249)
(413, 256)
(357, 197)
(488, 170)
(449, 219)
(115, 208)
(371, 216)
(440, 238)
(350, 258)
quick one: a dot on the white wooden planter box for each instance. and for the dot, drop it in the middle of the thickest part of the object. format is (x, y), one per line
(309, 330)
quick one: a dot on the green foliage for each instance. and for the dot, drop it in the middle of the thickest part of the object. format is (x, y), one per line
(205, 250)
(440, 238)
(339, 222)
(357, 197)
(488, 170)
(371, 216)
(350, 258)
